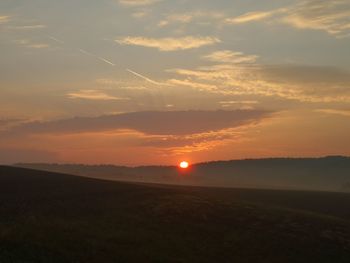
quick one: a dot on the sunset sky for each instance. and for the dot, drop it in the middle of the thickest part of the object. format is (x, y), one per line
(136, 82)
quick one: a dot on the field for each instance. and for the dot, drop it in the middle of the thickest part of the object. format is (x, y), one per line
(48, 217)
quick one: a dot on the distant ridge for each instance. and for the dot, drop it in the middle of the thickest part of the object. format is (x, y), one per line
(329, 157)
(330, 173)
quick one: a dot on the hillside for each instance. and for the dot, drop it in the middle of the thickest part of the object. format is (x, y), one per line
(51, 217)
(320, 174)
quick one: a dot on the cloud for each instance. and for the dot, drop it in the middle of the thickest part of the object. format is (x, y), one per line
(92, 95)
(28, 27)
(8, 123)
(185, 18)
(181, 18)
(243, 104)
(334, 111)
(313, 83)
(228, 56)
(292, 82)
(29, 44)
(238, 74)
(330, 16)
(140, 14)
(239, 102)
(177, 144)
(4, 19)
(135, 3)
(4, 122)
(38, 46)
(192, 84)
(169, 44)
(251, 17)
(307, 74)
(148, 122)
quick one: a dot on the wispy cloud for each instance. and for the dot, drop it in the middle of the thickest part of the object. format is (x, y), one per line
(38, 46)
(330, 16)
(228, 56)
(149, 122)
(30, 44)
(120, 84)
(138, 2)
(244, 103)
(4, 19)
(92, 95)
(180, 144)
(300, 83)
(140, 14)
(334, 111)
(169, 44)
(8, 123)
(185, 18)
(252, 16)
(28, 27)
(192, 84)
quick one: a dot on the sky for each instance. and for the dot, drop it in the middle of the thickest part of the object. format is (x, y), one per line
(137, 82)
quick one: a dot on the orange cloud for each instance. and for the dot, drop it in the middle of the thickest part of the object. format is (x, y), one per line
(330, 16)
(148, 122)
(169, 44)
(251, 16)
(92, 95)
(4, 19)
(228, 56)
(138, 2)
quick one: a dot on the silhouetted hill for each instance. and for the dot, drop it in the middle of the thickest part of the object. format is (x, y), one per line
(51, 217)
(322, 174)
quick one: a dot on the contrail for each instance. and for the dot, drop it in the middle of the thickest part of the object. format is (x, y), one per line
(85, 52)
(107, 61)
(56, 40)
(95, 56)
(143, 77)
(110, 63)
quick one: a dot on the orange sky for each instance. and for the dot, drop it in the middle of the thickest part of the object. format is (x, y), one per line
(154, 82)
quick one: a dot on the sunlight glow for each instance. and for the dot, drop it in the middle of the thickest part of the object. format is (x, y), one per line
(184, 165)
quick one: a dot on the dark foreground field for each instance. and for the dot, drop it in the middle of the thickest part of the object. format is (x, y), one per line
(47, 217)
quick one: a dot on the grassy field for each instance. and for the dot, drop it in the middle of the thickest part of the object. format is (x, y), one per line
(47, 217)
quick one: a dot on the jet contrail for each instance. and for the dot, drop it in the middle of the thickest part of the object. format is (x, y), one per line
(95, 56)
(107, 61)
(110, 63)
(56, 40)
(85, 52)
(143, 77)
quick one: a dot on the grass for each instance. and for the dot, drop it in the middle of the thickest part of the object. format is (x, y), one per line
(47, 217)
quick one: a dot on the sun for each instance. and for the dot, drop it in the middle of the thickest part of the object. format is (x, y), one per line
(184, 165)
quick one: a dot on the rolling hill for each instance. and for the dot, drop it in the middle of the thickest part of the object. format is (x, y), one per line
(52, 217)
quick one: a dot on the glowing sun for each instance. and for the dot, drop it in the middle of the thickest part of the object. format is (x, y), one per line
(184, 165)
